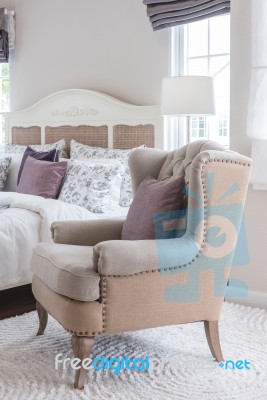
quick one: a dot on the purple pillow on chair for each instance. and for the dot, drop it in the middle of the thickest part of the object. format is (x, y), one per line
(42, 178)
(51, 156)
(154, 208)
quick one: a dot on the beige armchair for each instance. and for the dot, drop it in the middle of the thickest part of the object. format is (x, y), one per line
(93, 283)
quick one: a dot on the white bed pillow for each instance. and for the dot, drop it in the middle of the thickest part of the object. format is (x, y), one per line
(90, 184)
(19, 149)
(4, 165)
(81, 151)
(116, 187)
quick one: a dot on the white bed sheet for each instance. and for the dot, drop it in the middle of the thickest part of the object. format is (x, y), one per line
(26, 222)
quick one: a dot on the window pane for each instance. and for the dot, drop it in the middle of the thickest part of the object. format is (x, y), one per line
(197, 38)
(218, 64)
(198, 128)
(220, 35)
(198, 66)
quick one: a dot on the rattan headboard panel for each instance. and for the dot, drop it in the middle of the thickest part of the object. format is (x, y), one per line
(128, 137)
(96, 136)
(26, 136)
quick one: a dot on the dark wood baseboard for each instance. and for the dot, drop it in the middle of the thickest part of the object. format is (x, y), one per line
(16, 301)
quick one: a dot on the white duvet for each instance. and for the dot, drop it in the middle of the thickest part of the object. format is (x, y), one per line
(26, 222)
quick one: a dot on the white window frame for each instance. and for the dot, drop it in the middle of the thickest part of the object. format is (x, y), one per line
(176, 127)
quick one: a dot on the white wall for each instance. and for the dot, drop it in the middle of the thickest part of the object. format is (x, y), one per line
(93, 44)
(255, 274)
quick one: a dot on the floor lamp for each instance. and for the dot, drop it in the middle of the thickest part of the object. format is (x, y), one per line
(187, 96)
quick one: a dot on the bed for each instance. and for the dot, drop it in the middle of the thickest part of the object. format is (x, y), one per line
(89, 117)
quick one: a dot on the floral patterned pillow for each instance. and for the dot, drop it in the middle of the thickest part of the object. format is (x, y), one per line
(89, 185)
(4, 165)
(19, 149)
(79, 151)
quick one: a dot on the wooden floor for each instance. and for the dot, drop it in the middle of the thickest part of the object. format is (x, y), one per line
(16, 301)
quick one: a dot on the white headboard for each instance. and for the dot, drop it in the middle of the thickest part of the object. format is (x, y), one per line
(83, 108)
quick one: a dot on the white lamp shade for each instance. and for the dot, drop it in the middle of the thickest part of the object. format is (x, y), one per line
(187, 95)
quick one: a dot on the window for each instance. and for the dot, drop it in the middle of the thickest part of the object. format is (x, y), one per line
(4, 98)
(203, 48)
(198, 127)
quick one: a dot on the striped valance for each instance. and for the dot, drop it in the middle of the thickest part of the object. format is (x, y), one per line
(166, 13)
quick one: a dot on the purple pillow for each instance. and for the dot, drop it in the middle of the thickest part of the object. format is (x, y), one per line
(154, 203)
(51, 155)
(42, 178)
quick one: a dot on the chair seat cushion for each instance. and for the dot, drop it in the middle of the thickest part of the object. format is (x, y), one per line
(68, 270)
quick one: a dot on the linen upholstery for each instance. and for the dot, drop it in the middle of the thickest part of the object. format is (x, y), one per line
(150, 283)
(67, 270)
(145, 162)
(82, 318)
(93, 318)
(142, 304)
(86, 233)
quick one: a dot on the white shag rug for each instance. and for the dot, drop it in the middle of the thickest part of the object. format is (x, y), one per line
(181, 366)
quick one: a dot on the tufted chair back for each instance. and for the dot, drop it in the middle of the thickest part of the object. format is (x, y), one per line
(164, 165)
(178, 162)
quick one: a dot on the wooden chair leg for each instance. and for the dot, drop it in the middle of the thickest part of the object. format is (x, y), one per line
(82, 347)
(43, 317)
(212, 335)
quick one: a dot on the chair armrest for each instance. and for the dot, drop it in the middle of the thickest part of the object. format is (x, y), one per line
(129, 257)
(86, 233)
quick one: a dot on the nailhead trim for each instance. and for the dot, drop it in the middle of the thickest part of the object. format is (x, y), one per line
(82, 333)
(104, 303)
